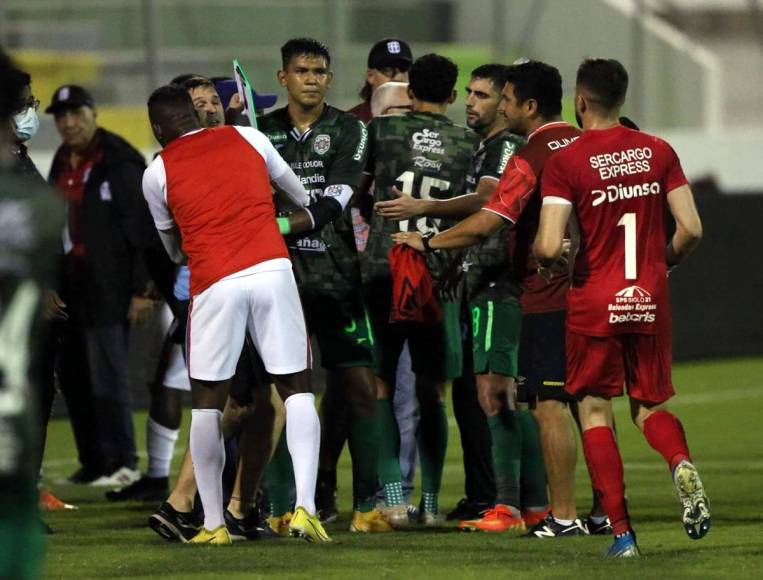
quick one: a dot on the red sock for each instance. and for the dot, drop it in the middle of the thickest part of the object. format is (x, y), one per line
(665, 434)
(606, 468)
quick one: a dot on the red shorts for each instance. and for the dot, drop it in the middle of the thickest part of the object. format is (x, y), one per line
(601, 365)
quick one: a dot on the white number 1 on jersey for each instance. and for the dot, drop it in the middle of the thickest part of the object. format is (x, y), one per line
(629, 221)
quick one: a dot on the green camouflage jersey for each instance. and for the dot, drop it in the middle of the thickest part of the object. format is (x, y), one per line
(489, 266)
(332, 151)
(424, 155)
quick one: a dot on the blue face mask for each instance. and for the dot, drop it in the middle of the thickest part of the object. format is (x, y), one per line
(25, 124)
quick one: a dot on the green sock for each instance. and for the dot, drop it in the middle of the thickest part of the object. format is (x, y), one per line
(280, 478)
(533, 479)
(430, 501)
(433, 443)
(364, 448)
(388, 465)
(507, 453)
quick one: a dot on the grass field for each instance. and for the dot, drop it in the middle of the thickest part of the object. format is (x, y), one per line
(719, 402)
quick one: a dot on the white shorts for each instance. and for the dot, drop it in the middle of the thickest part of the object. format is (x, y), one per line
(176, 371)
(263, 300)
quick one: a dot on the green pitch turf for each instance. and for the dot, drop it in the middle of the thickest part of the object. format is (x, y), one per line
(719, 402)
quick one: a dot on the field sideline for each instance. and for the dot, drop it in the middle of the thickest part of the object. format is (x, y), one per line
(719, 402)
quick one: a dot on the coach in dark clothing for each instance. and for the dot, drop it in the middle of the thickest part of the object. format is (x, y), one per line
(105, 283)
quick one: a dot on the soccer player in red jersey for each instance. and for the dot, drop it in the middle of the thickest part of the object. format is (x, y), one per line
(532, 105)
(619, 185)
(222, 211)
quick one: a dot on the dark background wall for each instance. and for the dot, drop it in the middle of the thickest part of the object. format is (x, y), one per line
(717, 294)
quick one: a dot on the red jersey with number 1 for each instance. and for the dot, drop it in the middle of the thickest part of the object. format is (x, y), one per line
(618, 180)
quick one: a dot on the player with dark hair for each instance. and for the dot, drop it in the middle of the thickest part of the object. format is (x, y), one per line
(620, 184)
(532, 106)
(326, 147)
(493, 290)
(249, 286)
(427, 156)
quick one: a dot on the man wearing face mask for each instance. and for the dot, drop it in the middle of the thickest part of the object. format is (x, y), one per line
(24, 125)
(105, 284)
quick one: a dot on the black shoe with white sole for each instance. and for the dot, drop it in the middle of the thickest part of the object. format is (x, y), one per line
(172, 525)
(550, 528)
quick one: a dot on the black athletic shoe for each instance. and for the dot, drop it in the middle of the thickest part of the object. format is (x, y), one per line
(468, 509)
(242, 529)
(145, 489)
(173, 525)
(82, 476)
(325, 499)
(550, 528)
(594, 529)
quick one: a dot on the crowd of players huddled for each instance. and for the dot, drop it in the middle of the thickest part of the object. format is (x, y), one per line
(425, 254)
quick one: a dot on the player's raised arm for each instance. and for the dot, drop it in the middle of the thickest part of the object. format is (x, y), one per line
(688, 225)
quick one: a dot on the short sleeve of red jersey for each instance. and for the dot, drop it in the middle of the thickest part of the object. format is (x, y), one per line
(555, 181)
(675, 173)
(513, 191)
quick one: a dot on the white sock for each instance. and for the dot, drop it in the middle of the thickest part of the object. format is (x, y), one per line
(160, 443)
(303, 437)
(563, 522)
(208, 455)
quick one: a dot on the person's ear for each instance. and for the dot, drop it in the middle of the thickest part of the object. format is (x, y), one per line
(281, 76)
(452, 97)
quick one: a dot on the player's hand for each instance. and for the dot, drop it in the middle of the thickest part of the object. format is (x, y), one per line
(401, 208)
(235, 105)
(53, 308)
(411, 239)
(560, 266)
(141, 310)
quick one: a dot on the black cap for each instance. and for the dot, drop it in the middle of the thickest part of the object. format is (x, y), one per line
(70, 97)
(390, 52)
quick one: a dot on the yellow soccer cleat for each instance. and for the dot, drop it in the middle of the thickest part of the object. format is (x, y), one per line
(217, 537)
(369, 522)
(307, 527)
(280, 524)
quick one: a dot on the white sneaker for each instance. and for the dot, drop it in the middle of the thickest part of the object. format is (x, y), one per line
(122, 477)
(431, 519)
(396, 515)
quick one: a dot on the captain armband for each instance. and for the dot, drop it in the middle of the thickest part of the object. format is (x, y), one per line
(324, 211)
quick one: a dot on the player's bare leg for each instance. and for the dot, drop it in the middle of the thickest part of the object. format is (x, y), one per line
(496, 395)
(559, 456)
(664, 432)
(260, 428)
(433, 444)
(262, 422)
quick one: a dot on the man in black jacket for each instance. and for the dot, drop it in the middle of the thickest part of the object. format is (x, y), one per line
(105, 284)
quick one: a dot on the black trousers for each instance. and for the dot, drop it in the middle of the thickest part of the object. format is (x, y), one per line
(91, 365)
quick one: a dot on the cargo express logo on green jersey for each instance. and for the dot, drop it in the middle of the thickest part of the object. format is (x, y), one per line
(632, 304)
(427, 141)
